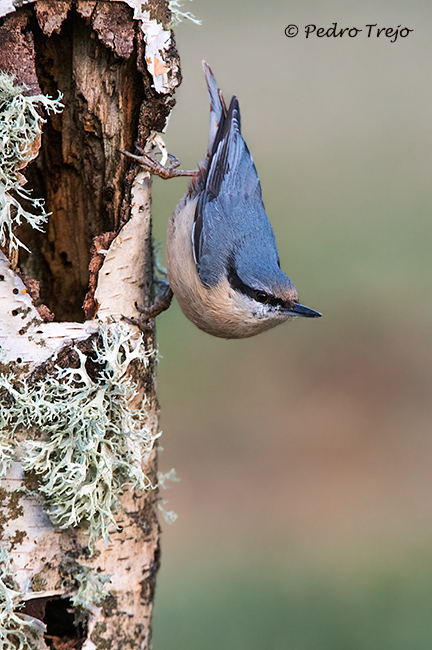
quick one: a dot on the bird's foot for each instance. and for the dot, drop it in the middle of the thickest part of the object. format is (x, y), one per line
(150, 163)
(145, 322)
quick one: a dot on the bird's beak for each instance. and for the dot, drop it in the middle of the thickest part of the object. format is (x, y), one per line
(301, 310)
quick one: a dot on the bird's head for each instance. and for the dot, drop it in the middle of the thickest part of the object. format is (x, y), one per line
(265, 293)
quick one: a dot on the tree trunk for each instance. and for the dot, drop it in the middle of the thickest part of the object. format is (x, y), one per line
(79, 410)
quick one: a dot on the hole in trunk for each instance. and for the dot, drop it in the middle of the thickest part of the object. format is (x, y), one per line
(79, 170)
(66, 628)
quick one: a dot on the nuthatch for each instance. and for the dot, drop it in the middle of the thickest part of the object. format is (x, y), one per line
(222, 260)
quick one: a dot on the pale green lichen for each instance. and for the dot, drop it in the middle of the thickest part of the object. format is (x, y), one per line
(6, 454)
(17, 632)
(163, 477)
(91, 588)
(169, 515)
(89, 585)
(6, 445)
(91, 442)
(20, 126)
(177, 15)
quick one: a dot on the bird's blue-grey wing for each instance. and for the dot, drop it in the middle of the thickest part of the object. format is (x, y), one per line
(230, 218)
(217, 104)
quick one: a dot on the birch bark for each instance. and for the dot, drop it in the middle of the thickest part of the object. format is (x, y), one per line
(116, 65)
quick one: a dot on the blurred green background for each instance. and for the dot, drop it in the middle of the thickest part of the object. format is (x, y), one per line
(305, 500)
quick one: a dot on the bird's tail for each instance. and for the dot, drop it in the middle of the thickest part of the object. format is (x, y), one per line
(218, 108)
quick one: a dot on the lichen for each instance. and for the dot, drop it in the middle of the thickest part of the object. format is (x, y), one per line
(20, 129)
(169, 515)
(177, 16)
(91, 588)
(17, 632)
(6, 453)
(88, 443)
(6, 446)
(89, 585)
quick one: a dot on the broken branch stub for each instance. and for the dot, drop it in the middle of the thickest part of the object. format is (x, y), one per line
(116, 68)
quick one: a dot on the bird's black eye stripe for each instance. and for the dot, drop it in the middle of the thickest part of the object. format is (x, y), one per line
(235, 281)
(257, 294)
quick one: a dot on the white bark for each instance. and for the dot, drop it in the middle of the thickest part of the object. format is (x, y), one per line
(42, 546)
(37, 546)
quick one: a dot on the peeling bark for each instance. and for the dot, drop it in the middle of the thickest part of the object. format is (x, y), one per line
(116, 65)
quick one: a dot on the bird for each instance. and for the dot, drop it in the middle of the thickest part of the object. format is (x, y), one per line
(223, 264)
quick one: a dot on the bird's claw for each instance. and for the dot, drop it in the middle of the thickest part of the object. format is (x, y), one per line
(145, 325)
(145, 322)
(175, 162)
(153, 166)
